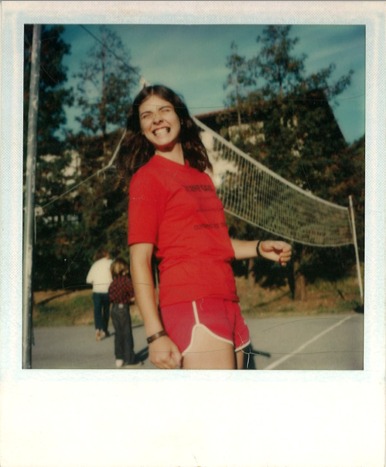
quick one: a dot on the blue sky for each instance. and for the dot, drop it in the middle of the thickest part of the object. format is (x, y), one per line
(191, 60)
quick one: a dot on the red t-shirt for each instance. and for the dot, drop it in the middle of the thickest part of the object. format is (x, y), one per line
(175, 207)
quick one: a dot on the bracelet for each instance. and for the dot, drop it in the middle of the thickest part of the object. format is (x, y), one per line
(259, 255)
(156, 336)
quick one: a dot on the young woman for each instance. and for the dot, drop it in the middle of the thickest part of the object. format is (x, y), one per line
(174, 213)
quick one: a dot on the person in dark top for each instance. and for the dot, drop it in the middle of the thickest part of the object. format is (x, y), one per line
(121, 294)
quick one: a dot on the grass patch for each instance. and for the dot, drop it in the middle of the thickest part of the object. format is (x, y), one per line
(60, 308)
(64, 309)
(71, 308)
(322, 298)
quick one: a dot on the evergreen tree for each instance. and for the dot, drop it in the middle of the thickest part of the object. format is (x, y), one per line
(280, 71)
(104, 95)
(301, 134)
(238, 80)
(105, 85)
(53, 96)
(53, 158)
(302, 141)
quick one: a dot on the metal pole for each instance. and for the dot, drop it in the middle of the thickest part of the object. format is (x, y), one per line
(354, 234)
(29, 215)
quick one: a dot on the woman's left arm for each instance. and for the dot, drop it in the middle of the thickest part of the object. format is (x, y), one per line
(274, 250)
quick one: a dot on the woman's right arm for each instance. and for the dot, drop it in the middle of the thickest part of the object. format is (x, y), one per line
(162, 352)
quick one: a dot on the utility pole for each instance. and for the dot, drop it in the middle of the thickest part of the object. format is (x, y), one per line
(29, 205)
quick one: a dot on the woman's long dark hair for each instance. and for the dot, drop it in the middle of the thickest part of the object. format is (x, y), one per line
(137, 150)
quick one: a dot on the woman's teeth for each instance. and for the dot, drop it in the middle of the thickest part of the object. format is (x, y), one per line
(161, 131)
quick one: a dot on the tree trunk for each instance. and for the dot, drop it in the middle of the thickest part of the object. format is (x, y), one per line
(300, 287)
(297, 282)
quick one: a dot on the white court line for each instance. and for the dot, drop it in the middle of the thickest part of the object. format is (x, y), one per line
(303, 346)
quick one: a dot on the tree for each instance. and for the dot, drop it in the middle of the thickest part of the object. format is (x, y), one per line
(52, 156)
(53, 96)
(105, 85)
(302, 141)
(238, 80)
(104, 95)
(73, 224)
(275, 65)
(348, 179)
(300, 128)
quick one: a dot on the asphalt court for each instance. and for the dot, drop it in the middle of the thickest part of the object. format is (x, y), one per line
(327, 342)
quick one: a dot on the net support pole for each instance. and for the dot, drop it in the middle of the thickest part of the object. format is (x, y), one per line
(354, 234)
(29, 215)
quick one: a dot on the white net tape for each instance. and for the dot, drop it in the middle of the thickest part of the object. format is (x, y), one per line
(255, 194)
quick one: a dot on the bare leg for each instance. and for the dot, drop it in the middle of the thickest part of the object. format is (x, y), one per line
(209, 353)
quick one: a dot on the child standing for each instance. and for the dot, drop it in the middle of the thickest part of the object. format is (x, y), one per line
(121, 294)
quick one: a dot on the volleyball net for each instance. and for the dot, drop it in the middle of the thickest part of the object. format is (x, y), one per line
(257, 195)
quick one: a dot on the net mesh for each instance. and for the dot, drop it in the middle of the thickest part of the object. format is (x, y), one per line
(255, 194)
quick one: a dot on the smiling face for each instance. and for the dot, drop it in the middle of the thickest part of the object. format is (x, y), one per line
(159, 123)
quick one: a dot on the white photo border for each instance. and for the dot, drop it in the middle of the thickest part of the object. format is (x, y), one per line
(154, 418)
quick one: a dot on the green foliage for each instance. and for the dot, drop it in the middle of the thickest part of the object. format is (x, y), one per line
(53, 158)
(293, 131)
(104, 94)
(238, 80)
(105, 85)
(347, 173)
(53, 96)
(71, 227)
(279, 70)
(61, 259)
(64, 312)
(103, 208)
(301, 134)
(299, 140)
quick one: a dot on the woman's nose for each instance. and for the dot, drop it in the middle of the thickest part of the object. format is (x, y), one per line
(157, 118)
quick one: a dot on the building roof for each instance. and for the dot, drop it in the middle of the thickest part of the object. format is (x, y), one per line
(218, 119)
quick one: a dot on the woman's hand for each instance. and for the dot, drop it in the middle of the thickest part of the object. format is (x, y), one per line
(276, 250)
(164, 354)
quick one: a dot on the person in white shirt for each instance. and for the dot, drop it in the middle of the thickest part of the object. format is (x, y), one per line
(100, 277)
